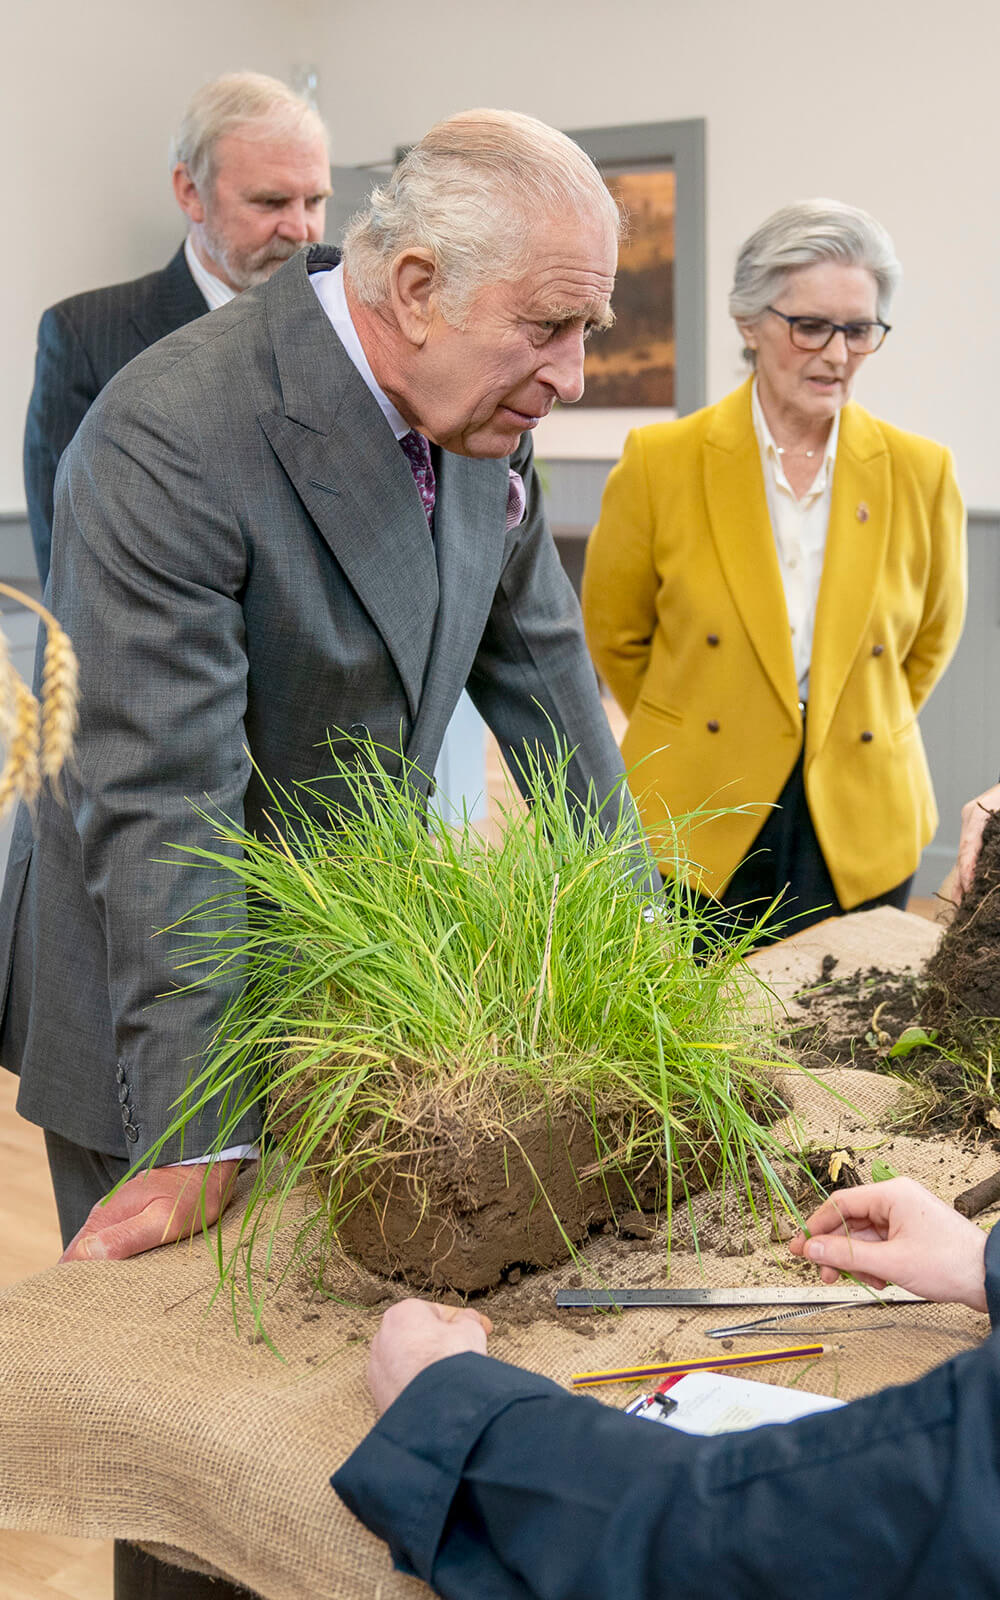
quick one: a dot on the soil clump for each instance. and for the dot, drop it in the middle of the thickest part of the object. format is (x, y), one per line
(471, 1205)
(479, 1192)
(962, 978)
(938, 1028)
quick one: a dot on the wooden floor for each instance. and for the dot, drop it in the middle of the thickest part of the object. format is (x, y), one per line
(33, 1567)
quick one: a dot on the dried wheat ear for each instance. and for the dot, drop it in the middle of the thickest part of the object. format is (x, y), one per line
(37, 739)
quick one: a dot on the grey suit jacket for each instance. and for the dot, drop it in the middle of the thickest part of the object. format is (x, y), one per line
(82, 343)
(242, 560)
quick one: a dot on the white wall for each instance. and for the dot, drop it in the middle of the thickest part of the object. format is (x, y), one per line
(891, 104)
(888, 104)
(90, 91)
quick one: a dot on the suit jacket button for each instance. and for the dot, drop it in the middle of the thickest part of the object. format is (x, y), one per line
(712, 638)
(359, 730)
(712, 726)
(867, 736)
(877, 649)
(131, 1133)
(122, 1093)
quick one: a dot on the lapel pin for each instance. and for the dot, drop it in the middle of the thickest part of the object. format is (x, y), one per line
(862, 512)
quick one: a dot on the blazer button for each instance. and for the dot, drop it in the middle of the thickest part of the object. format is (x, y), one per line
(877, 649)
(712, 638)
(867, 736)
(712, 726)
(359, 730)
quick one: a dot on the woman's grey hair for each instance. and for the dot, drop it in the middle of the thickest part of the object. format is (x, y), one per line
(259, 106)
(472, 193)
(801, 235)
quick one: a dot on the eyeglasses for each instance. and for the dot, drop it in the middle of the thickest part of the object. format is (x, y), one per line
(815, 333)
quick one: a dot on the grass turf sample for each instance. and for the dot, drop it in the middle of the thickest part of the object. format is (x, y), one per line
(436, 1030)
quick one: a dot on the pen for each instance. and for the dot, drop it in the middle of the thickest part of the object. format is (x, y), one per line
(664, 1369)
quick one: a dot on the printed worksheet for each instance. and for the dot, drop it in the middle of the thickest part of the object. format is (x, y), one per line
(712, 1402)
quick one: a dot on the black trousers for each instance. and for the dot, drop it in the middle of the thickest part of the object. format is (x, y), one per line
(80, 1178)
(786, 855)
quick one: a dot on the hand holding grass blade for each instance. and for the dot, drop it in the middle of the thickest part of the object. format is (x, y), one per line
(896, 1232)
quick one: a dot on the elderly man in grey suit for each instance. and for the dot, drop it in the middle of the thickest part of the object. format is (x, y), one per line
(251, 173)
(310, 516)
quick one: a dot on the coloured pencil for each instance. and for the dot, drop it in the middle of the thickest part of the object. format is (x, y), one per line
(664, 1369)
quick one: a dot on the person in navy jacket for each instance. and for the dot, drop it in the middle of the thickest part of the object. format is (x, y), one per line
(492, 1483)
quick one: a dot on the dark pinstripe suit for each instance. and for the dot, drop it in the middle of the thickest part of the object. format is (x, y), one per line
(82, 343)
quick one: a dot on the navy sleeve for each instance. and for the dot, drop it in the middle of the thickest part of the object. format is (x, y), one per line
(492, 1483)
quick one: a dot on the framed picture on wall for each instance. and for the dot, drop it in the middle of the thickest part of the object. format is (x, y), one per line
(651, 365)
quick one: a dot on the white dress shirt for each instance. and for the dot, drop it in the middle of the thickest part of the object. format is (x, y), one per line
(329, 287)
(799, 527)
(215, 291)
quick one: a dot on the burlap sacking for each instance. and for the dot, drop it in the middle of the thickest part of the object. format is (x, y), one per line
(132, 1407)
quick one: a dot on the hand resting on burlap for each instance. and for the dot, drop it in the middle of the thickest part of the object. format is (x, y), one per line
(154, 1208)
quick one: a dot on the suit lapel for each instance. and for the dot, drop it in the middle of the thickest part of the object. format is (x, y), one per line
(856, 541)
(176, 300)
(350, 474)
(741, 528)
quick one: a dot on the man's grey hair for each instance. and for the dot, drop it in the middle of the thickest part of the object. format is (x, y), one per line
(472, 193)
(800, 235)
(251, 102)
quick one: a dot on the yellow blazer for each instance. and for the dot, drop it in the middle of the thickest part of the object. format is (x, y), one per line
(686, 619)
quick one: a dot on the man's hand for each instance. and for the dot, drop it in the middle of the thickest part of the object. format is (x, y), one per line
(154, 1208)
(897, 1232)
(412, 1335)
(974, 815)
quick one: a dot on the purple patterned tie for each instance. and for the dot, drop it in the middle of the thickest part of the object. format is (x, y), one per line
(418, 453)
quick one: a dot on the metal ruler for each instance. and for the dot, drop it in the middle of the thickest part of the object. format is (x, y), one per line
(623, 1299)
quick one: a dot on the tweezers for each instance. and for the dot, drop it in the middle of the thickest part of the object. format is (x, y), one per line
(776, 1318)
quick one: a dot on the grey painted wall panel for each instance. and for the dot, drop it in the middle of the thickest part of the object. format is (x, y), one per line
(17, 555)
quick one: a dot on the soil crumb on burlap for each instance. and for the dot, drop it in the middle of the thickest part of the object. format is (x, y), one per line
(853, 1020)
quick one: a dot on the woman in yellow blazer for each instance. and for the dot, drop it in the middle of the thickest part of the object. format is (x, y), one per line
(774, 587)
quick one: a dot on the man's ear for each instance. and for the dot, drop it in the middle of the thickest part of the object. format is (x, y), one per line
(186, 194)
(413, 285)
